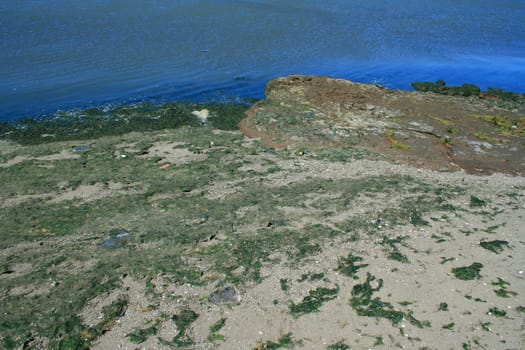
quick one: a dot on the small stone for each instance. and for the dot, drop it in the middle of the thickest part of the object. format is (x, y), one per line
(117, 239)
(82, 148)
(227, 295)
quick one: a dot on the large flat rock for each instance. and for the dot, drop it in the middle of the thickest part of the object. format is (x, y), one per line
(421, 129)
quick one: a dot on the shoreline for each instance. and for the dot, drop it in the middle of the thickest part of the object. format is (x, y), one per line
(207, 98)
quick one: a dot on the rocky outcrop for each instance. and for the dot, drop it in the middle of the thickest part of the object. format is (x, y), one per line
(420, 129)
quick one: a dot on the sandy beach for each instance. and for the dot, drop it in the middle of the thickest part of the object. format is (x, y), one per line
(321, 253)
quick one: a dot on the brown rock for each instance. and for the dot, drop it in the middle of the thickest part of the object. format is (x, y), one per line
(420, 129)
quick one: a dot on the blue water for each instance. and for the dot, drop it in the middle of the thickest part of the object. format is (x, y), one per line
(58, 54)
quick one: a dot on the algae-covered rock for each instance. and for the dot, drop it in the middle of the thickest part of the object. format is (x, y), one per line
(423, 129)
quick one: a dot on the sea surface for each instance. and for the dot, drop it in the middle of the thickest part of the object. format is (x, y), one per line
(60, 54)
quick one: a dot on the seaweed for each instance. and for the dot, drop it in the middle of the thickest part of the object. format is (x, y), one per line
(468, 273)
(440, 87)
(283, 282)
(497, 312)
(475, 202)
(449, 326)
(443, 307)
(140, 335)
(503, 292)
(111, 313)
(398, 256)
(214, 330)
(285, 342)
(313, 301)
(312, 277)
(495, 246)
(364, 305)
(338, 346)
(349, 266)
(395, 254)
(183, 320)
(95, 123)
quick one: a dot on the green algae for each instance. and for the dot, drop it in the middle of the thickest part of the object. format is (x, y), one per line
(468, 273)
(392, 246)
(313, 301)
(111, 313)
(495, 246)
(363, 303)
(95, 123)
(485, 326)
(497, 312)
(312, 277)
(503, 292)
(440, 87)
(183, 321)
(338, 346)
(169, 209)
(350, 265)
(284, 283)
(140, 335)
(476, 202)
(285, 342)
(449, 326)
(443, 307)
(214, 330)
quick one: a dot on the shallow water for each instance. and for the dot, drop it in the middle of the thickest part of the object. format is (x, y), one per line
(56, 54)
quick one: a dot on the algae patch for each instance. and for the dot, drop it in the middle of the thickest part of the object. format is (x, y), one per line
(350, 265)
(313, 301)
(495, 246)
(468, 273)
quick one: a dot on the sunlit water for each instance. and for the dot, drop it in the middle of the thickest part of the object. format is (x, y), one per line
(57, 54)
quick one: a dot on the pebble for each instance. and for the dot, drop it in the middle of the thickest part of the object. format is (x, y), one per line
(227, 295)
